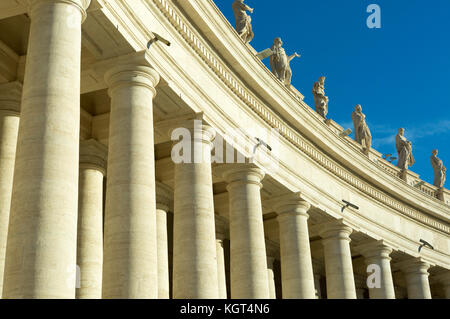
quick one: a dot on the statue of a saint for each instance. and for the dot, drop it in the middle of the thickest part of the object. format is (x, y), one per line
(404, 150)
(439, 169)
(362, 132)
(320, 100)
(279, 62)
(243, 21)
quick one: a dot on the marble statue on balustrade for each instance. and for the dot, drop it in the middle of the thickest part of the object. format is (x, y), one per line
(320, 100)
(439, 169)
(404, 150)
(280, 62)
(362, 131)
(243, 21)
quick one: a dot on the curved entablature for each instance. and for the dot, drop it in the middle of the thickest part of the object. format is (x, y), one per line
(280, 115)
(278, 107)
(244, 66)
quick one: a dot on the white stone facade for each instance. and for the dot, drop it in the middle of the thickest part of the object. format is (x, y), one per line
(89, 187)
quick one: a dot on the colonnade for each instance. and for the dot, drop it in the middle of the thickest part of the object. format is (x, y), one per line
(51, 198)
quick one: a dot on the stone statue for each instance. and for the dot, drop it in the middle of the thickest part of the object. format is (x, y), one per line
(320, 100)
(243, 21)
(439, 170)
(280, 62)
(362, 132)
(404, 150)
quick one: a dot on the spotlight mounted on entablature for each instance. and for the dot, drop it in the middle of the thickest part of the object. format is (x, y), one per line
(261, 143)
(156, 38)
(347, 132)
(348, 204)
(425, 244)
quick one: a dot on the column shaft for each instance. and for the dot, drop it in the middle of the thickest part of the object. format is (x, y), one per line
(42, 236)
(377, 254)
(360, 285)
(318, 291)
(130, 250)
(271, 278)
(222, 232)
(164, 198)
(163, 254)
(296, 263)
(318, 271)
(416, 276)
(194, 261)
(247, 243)
(90, 219)
(338, 261)
(447, 291)
(10, 95)
(444, 280)
(90, 233)
(221, 274)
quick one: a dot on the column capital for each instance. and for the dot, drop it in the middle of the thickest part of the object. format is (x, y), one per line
(125, 75)
(93, 154)
(11, 97)
(222, 227)
(235, 174)
(374, 250)
(81, 5)
(199, 131)
(291, 204)
(164, 196)
(414, 265)
(335, 230)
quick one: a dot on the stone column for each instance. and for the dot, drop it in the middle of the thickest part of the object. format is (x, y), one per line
(360, 286)
(338, 260)
(164, 197)
(400, 292)
(93, 157)
(130, 267)
(194, 256)
(42, 236)
(444, 280)
(377, 253)
(247, 243)
(273, 252)
(221, 235)
(416, 276)
(10, 96)
(317, 270)
(317, 290)
(271, 278)
(296, 263)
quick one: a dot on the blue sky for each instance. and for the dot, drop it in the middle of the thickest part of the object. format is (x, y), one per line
(400, 74)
